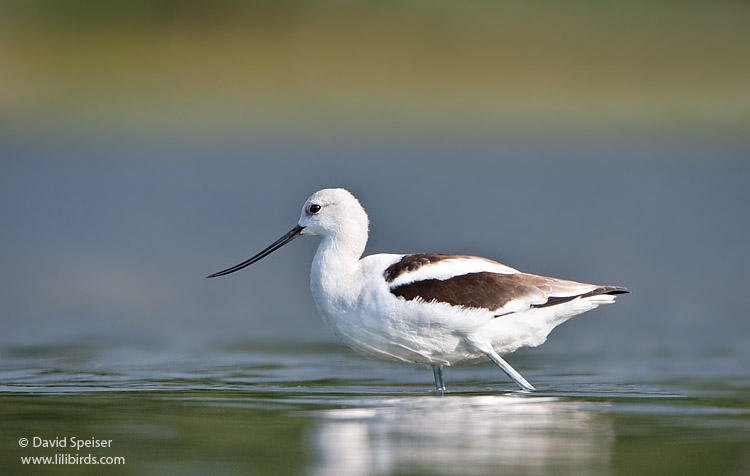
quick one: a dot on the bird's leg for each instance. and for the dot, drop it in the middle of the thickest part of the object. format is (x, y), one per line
(437, 371)
(505, 366)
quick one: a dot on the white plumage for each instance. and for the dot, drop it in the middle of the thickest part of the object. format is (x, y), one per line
(426, 308)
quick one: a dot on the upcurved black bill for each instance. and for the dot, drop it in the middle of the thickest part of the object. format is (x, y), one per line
(293, 233)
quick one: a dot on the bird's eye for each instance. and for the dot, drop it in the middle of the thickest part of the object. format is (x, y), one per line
(314, 208)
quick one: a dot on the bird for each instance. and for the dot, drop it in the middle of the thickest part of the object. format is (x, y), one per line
(426, 308)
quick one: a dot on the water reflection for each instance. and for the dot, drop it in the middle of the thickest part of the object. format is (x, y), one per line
(464, 435)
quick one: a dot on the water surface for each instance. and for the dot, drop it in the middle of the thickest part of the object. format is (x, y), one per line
(319, 410)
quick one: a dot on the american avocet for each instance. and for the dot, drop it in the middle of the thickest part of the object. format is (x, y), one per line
(426, 308)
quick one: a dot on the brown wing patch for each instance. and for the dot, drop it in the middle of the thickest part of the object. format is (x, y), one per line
(478, 290)
(485, 290)
(411, 263)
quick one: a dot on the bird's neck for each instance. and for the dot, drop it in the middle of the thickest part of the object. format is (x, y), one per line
(334, 269)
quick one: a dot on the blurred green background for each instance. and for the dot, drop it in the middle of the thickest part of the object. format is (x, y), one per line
(238, 67)
(147, 144)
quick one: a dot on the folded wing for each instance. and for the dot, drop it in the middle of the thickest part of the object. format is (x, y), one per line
(481, 286)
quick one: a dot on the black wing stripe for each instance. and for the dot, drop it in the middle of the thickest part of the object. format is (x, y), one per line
(554, 301)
